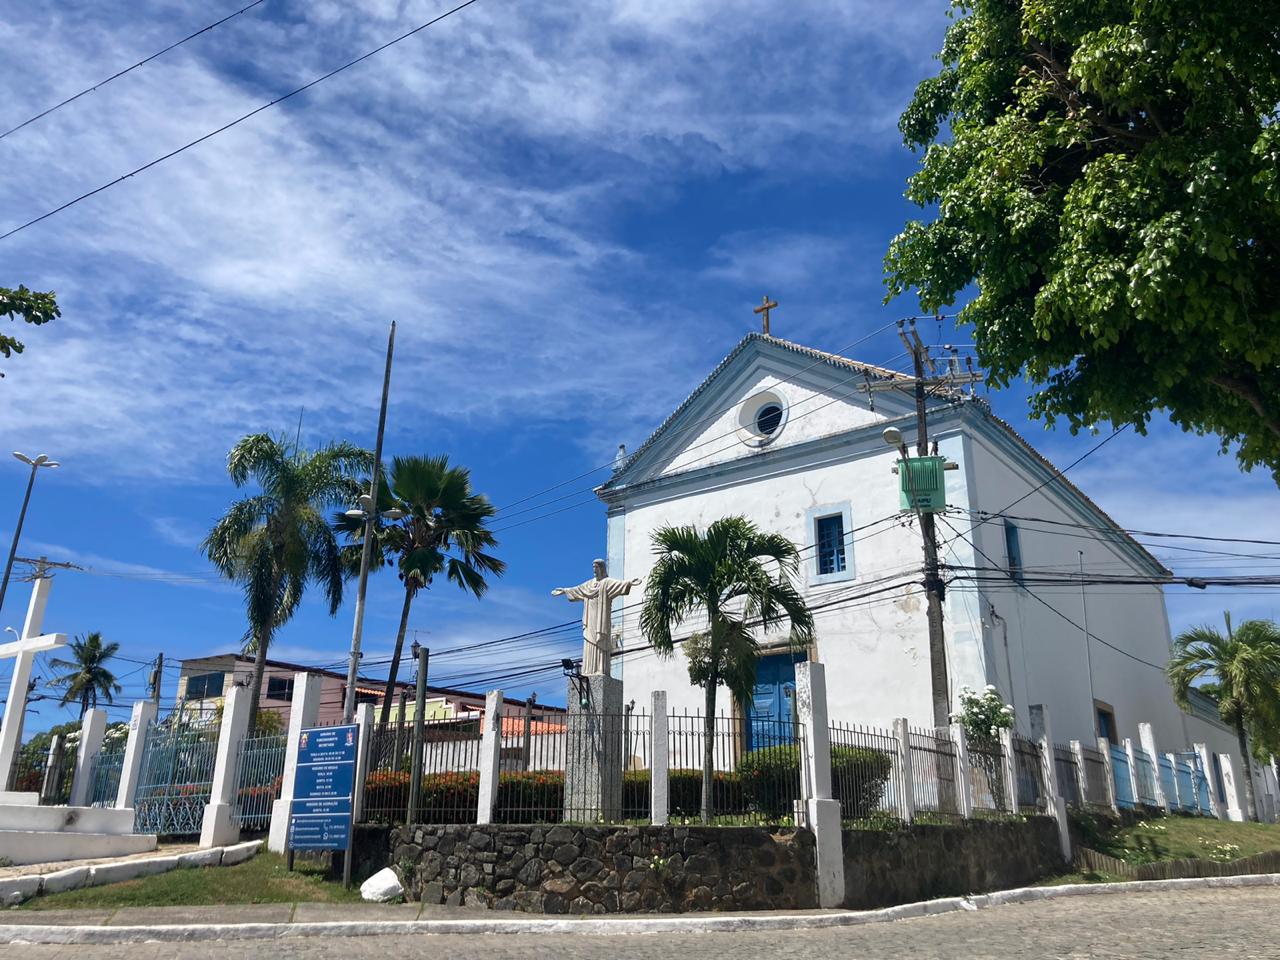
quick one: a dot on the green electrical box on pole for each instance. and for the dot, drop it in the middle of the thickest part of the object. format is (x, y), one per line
(922, 484)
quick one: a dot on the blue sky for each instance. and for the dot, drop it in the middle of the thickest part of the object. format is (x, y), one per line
(570, 212)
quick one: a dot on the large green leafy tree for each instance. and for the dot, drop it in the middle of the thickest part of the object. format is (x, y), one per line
(32, 307)
(733, 579)
(87, 677)
(276, 542)
(1108, 173)
(1242, 669)
(444, 530)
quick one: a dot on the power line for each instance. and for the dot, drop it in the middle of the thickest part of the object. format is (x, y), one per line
(117, 75)
(1056, 474)
(240, 119)
(1040, 600)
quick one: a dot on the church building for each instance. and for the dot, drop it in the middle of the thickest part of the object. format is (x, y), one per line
(792, 439)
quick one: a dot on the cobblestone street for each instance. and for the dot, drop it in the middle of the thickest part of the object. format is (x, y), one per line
(1236, 923)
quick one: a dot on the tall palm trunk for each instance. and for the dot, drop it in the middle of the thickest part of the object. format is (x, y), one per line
(385, 717)
(259, 668)
(708, 748)
(84, 704)
(1250, 802)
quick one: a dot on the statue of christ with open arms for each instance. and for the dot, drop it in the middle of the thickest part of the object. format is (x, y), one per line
(596, 596)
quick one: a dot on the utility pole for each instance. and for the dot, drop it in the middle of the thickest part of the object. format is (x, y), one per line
(934, 591)
(934, 588)
(370, 522)
(35, 464)
(157, 675)
(423, 656)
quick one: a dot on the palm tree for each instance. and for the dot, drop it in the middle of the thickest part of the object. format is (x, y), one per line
(1243, 668)
(443, 530)
(725, 576)
(276, 542)
(88, 677)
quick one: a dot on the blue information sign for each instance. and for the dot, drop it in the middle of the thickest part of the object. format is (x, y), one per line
(323, 789)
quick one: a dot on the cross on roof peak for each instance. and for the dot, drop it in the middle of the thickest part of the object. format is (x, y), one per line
(765, 306)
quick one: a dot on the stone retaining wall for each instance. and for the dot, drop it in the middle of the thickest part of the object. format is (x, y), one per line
(582, 869)
(920, 862)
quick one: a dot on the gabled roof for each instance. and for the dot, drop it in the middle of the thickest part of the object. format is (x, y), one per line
(820, 358)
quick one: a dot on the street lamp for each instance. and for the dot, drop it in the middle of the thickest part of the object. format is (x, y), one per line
(893, 438)
(40, 461)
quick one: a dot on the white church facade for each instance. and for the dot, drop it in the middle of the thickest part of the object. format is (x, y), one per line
(791, 438)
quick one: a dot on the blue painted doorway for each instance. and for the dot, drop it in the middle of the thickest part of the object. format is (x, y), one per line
(772, 710)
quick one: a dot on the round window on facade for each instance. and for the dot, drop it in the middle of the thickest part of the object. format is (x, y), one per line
(768, 419)
(762, 418)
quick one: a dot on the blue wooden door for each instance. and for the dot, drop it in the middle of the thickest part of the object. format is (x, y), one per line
(771, 713)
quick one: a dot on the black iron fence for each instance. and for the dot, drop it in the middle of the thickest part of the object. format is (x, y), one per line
(1066, 770)
(1028, 775)
(865, 775)
(934, 774)
(986, 776)
(1096, 793)
(754, 768)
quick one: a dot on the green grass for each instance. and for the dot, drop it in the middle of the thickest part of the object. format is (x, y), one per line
(263, 879)
(1177, 838)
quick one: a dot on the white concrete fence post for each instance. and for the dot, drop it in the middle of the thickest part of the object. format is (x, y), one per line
(1234, 811)
(1104, 748)
(364, 747)
(964, 782)
(490, 756)
(144, 712)
(1133, 770)
(1206, 771)
(93, 727)
(304, 710)
(1082, 774)
(220, 826)
(1009, 770)
(52, 767)
(1147, 737)
(821, 810)
(660, 760)
(906, 780)
(1057, 804)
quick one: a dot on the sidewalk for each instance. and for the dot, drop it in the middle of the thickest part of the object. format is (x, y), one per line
(306, 920)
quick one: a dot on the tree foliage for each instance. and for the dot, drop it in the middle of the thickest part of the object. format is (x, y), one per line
(737, 579)
(444, 530)
(1108, 173)
(29, 305)
(1242, 669)
(87, 677)
(275, 543)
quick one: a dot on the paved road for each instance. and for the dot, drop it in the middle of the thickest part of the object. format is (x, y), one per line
(1236, 923)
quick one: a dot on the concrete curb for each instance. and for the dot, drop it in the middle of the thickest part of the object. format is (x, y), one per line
(16, 890)
(681, 923)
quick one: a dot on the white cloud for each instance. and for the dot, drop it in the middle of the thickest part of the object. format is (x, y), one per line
(461, 182)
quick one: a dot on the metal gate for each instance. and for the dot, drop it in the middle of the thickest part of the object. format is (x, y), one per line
(177, 775)
(261, 764)
(104, 776)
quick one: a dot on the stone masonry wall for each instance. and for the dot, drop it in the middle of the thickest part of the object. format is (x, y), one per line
(584, 869)
(921, 862)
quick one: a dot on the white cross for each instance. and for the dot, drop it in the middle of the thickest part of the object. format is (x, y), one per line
(23, 651)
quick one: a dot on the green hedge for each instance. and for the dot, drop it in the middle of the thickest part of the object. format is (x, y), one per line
(771, 779)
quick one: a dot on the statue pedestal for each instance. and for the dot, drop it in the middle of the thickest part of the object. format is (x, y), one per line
(594, 751)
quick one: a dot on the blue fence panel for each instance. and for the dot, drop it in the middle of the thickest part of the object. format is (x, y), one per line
(1187, 798)
(1167, 782)
(1120, 767)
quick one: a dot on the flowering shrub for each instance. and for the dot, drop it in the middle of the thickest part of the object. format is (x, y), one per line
(983, 715)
